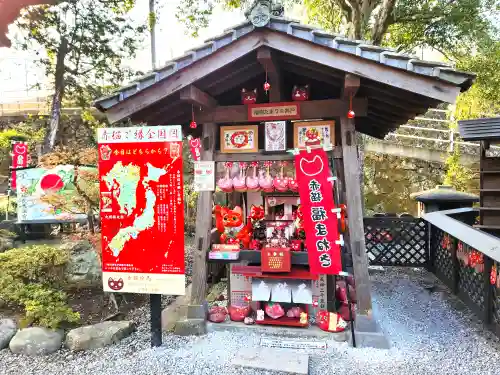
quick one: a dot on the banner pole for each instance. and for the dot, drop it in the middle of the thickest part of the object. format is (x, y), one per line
(155, 312)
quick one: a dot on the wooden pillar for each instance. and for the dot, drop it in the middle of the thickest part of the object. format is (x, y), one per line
(203, 225)
(354, 196)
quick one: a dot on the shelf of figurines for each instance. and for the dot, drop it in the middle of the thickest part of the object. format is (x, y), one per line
(223, 254)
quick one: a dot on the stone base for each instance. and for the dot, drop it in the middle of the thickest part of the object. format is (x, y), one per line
(368, 334)
(270, 359)
(190, 327)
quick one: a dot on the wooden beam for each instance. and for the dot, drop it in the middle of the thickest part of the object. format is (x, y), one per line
(234, 79)
(193, 95)
(203, 224)
(355, 215)
(336, 153)
(351, 86)
(320, 77)
(402, 96)
(312, 66)
(185, 77)
(372, 70)
(309, 110)
(267, 59)
(381, 101)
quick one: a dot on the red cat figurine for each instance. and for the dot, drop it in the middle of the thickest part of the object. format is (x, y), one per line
(229, 224)
(248, 97)
(300, 93)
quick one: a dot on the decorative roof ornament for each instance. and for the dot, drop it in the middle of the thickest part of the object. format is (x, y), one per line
(261, 11)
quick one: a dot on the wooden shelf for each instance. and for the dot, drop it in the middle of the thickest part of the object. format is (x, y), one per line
(489, 190)
(495, 227)
(489, 208)
(296, 273)
(490, 172)
(263, 156)
(283, 321)
(299, 258)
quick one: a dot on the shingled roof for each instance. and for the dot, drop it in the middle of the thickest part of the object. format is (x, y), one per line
(363, 49)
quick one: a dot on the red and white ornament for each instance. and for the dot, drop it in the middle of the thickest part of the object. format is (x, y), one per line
(267, 86)
(193, 125)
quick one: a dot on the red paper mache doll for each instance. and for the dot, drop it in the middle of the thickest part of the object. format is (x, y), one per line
(217, 314)
(248, 96)
(330, 322)
(229, 223)
(239, 313)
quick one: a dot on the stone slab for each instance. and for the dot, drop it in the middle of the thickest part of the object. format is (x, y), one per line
(176, 311)
(191, 327)
(270, 359)
(368, 333)
(311, 332)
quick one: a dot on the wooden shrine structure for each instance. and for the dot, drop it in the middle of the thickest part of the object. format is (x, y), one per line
(486, 131)
(384, 89)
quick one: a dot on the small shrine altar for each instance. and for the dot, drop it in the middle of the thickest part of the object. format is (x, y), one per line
(271, 110)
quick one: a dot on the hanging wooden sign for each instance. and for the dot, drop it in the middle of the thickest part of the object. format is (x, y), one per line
(273, 111)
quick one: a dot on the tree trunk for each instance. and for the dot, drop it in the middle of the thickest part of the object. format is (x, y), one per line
(153, 34)
(382, 20)
(55, 117)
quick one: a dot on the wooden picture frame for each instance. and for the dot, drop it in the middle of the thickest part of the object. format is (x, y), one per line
(239, 139)
(274, 136)
(326, 130)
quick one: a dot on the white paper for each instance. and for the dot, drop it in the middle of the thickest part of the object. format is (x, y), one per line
(261, 291)
(204, 176)
(281, 292)
(302, 292)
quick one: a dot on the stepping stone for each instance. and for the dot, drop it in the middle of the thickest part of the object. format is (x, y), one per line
(280, 360)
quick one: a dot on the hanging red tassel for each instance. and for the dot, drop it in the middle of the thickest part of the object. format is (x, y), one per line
(192, 124)
(351, 113)
(267, 85)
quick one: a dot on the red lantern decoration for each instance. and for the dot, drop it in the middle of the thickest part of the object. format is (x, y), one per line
(267, 86)
(193, 125)
(493, 275)
(351, 114)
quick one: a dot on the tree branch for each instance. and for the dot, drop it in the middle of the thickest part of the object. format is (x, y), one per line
(382, 20)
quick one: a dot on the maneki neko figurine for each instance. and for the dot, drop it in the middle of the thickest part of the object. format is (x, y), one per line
(232, 229)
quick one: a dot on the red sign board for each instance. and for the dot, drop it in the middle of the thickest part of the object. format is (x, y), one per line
(274, 111)
(320, 223)
(142, 211)
(19, 160)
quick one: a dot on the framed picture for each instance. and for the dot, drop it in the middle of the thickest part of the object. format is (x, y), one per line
(239, 138)
(305, 131)
(275, 136)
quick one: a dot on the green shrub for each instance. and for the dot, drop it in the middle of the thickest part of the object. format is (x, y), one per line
(32, 277)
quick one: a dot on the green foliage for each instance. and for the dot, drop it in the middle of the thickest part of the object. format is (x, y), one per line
(32, 277)
(483, 99)
(85, 43)
(459, 176)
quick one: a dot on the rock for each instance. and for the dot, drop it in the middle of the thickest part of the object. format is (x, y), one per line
(8, 329)
(6, 240)
(270, 359)
(83, 268)
(36, 341)
(175, 311)
(98, 335)
(216, 291)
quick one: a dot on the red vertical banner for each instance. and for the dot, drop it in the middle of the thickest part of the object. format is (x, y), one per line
(142, 210)
(195, 147)
(19, 160)
(318, 207)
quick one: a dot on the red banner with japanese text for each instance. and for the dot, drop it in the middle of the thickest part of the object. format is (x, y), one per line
(19, 160)
(320, 222)
(142, 210)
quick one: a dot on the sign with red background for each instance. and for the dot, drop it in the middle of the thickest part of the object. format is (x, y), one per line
(19, 160)
(142, 211)
(320, 223)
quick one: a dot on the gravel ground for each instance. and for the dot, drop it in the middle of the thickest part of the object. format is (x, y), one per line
(429, 334)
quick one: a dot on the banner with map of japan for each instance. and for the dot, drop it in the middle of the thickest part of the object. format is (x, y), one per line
(142, 211)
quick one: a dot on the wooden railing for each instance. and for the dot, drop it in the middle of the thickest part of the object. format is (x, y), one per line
(463, 258)
(446, 244)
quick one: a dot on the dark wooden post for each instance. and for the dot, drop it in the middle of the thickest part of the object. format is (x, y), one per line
(488, 290)
(455, 276)
(196, 312)
(354, 203)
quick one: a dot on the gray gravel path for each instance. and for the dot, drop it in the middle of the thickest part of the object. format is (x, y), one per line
(428, 333)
